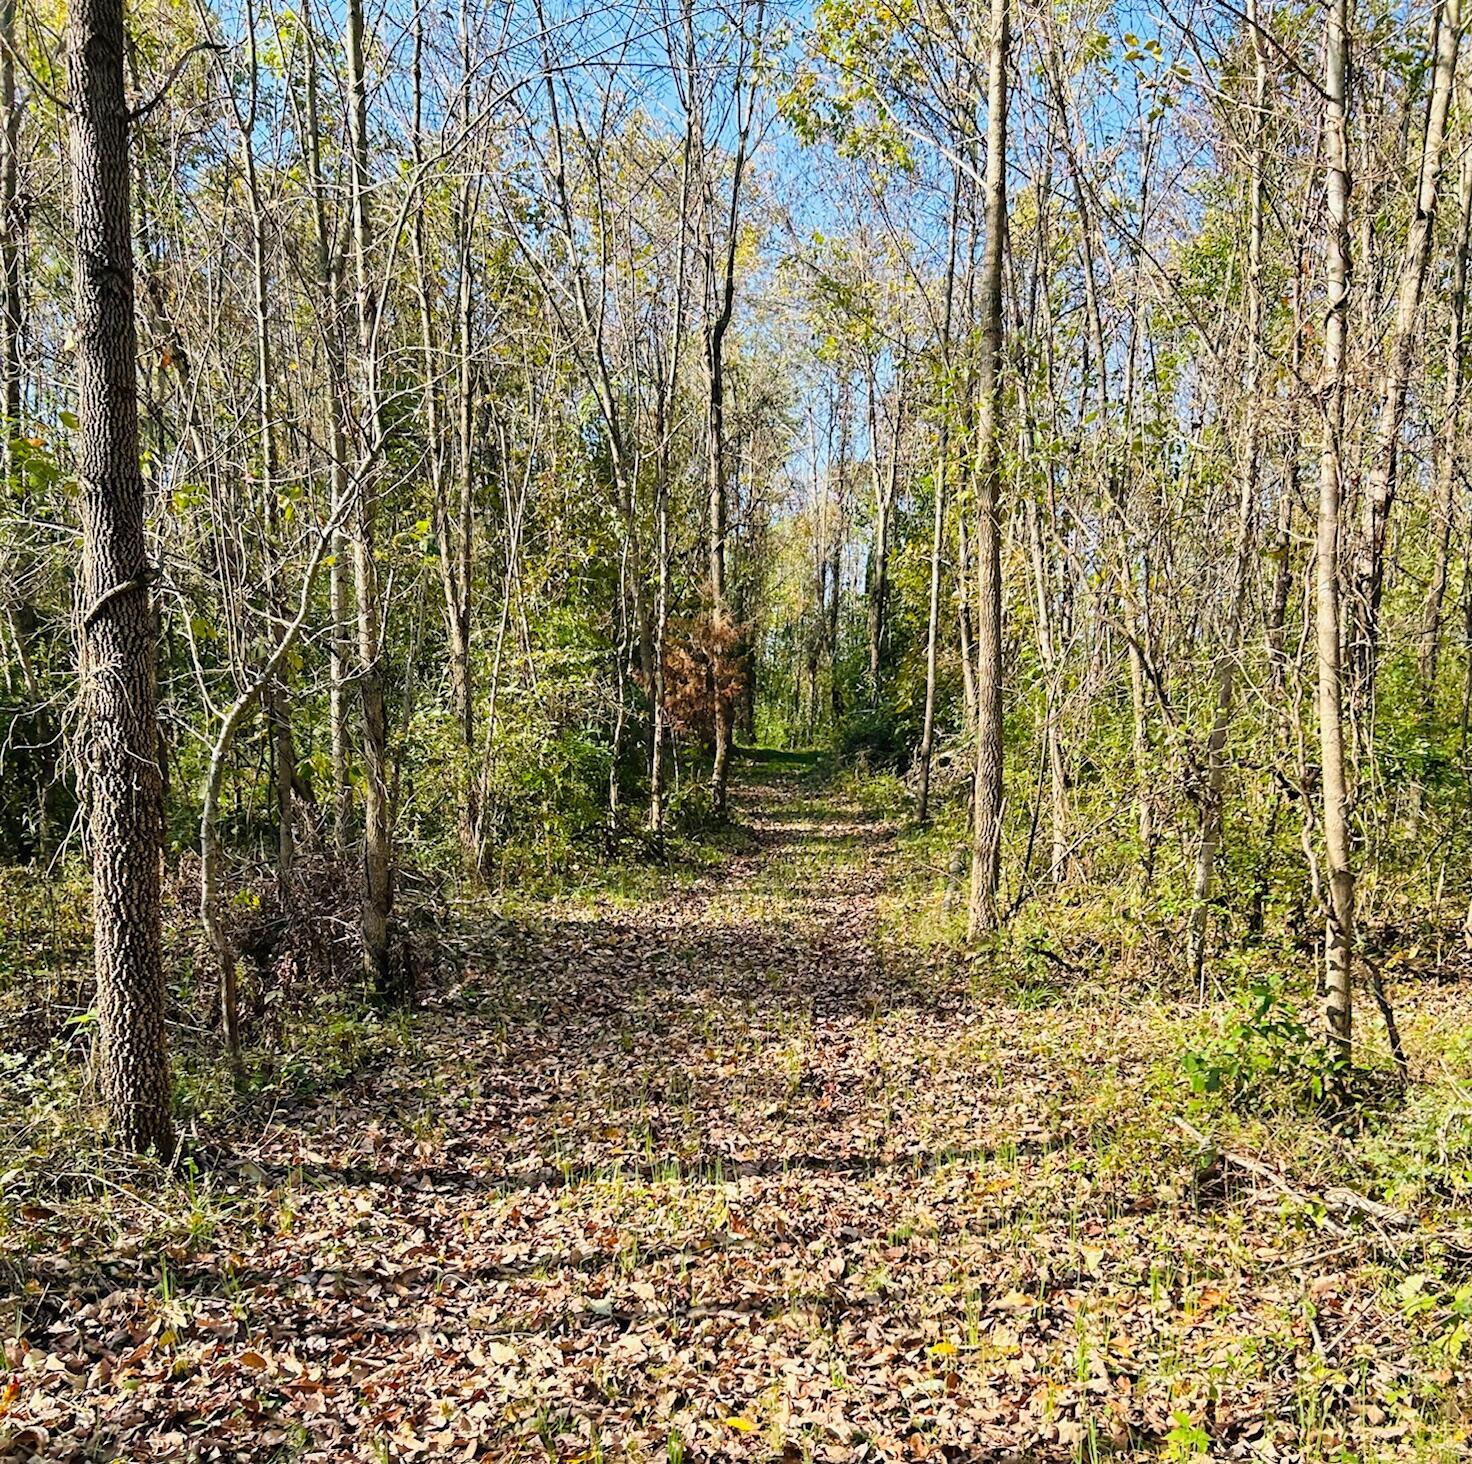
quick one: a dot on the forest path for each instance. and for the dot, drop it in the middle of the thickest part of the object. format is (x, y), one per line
(737, 1170)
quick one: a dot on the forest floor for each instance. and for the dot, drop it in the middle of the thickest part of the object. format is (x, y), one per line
(741, 1166)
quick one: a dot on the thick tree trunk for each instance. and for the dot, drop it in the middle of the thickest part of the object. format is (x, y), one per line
(986, 837)
(119, 628)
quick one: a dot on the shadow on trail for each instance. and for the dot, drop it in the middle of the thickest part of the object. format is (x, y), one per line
(807, 759)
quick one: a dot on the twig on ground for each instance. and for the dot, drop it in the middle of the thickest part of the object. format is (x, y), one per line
(1337, 1199)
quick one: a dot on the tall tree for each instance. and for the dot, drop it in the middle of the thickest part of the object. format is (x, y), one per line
(722, 228)
(1448, 437)
(123, 781)
(1380, 485)
(378, 867)
(1213, 792)
(986, 836)
(1340, 933)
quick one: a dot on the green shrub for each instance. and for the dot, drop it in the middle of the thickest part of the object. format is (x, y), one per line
(1264, 1056)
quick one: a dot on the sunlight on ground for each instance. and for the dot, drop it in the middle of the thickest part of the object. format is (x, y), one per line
(747, 1166)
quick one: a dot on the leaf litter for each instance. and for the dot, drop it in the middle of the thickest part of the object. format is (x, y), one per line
(734, 1172)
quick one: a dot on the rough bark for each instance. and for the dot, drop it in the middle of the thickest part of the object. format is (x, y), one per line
(119, 628)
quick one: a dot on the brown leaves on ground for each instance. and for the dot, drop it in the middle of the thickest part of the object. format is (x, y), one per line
(724, 1176)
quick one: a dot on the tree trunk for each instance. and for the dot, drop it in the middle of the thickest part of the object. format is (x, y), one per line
(1380, 484)
(986, 833)
(964, 629)
(1448, 435)
(938, 528)
(119, 627)
(1340, 935)
(453, 522)
(664, 444)
(339, 417)
(12, 233)
(1212, 795)
(275, 695)
(1053, 744)
(837, 482)
(1115, 487)
(886, 482)
(719, 611)
(659, 734)
(457, 547)
(378, 890)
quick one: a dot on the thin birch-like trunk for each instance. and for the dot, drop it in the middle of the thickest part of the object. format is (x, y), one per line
(1213, 793)
(1368, 580)
(986, 837)
(1340, 933)
(378, 890)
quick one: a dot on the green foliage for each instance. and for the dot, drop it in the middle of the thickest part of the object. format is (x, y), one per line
(876, 738)
(1263, 1055)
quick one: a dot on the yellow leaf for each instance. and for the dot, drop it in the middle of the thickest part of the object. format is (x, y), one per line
(943, 1349)
(741, 1425)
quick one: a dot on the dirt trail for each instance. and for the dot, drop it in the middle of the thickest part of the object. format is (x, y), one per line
(726, 1173)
